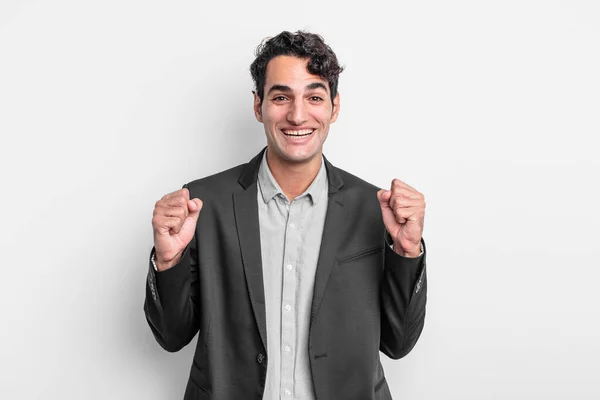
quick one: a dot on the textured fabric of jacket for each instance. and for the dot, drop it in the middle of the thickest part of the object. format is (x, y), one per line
(366, 298)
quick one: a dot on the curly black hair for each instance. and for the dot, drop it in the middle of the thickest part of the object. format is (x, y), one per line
(322, 61)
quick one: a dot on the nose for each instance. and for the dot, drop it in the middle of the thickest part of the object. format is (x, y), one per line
(297, 112)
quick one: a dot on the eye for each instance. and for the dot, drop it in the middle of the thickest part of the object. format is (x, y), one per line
(316, 98)
(279, 98)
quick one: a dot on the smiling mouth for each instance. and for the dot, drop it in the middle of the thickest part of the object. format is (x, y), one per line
(298, 133)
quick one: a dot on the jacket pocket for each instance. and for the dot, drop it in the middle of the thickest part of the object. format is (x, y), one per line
(195, 392)
(382, 391)
(198, 379)
(359, 254)
(379, 384)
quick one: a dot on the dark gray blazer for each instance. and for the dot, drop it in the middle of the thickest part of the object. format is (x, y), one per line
(366, 297)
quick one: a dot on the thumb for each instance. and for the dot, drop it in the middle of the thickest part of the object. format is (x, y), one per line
(389, 220)
(384, 197)
(194, 207)
(186, 233)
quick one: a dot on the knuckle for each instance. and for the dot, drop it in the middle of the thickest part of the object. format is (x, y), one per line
(402, 194)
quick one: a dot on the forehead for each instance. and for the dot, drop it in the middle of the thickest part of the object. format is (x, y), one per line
(290, 71)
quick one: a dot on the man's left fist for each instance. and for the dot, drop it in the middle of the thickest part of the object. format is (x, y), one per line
(403, 211)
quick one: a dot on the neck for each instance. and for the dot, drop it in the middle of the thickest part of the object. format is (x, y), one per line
(293, 178)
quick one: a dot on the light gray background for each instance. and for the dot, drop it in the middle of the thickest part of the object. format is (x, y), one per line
(491, 109)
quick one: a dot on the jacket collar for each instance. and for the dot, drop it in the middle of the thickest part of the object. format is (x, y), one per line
(249, 174)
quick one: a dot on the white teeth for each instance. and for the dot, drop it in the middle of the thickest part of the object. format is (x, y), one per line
(302, 132)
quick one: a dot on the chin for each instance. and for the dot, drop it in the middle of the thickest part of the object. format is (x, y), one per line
(299, 157)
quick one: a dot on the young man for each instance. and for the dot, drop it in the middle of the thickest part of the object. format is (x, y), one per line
(295, 273)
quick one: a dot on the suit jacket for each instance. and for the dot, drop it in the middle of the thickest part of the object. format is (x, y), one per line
(366, 297)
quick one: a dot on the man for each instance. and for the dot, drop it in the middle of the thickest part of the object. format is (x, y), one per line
(295, 273)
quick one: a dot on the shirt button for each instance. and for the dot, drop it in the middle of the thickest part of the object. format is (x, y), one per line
(289, 266)
(287, 392)
(287, 348)
(288, 307)
(292, 225)
(260, 358)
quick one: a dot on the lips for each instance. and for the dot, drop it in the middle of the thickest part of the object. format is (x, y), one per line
(297, 132)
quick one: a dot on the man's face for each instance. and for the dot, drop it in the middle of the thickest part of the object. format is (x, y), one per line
(296, 110)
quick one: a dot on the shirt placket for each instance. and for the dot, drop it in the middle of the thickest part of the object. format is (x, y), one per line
(288, 300)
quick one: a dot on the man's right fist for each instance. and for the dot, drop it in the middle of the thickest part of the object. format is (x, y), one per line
(174, 222)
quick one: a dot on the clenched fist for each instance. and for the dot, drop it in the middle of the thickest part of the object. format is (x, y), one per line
(174, 223)
(403, 211)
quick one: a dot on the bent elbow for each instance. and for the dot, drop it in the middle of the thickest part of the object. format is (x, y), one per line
(396, 349)
(173, 343)
(171, 346)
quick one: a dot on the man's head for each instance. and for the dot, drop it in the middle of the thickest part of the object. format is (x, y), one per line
(322, 61)
(296, 98)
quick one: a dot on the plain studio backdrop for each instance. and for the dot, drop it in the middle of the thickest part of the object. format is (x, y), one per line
(491, 109)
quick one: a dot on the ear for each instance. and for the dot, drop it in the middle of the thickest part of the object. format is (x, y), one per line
(257, 107)
(336, 107)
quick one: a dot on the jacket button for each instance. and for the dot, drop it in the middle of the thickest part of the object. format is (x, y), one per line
(260, 358)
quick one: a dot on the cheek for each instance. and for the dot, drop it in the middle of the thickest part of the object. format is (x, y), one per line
(323, 116)
(274, 114)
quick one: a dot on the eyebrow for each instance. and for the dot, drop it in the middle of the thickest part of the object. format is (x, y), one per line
(287, 89)
(280, 88)
(316, 85)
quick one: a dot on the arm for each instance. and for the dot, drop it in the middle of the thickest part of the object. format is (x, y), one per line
(403, 300)
(172, 286)
(171, 298)
(404, 281)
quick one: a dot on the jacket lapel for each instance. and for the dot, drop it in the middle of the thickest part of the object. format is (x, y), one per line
(332, 233)
(248, 230)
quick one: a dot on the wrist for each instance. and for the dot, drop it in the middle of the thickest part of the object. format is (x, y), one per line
(162, 265)
(411, 253)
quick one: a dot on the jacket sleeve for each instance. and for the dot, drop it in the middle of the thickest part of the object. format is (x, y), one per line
(403, 300)
(171, 298)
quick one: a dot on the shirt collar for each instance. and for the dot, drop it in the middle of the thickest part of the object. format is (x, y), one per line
(270, 188)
